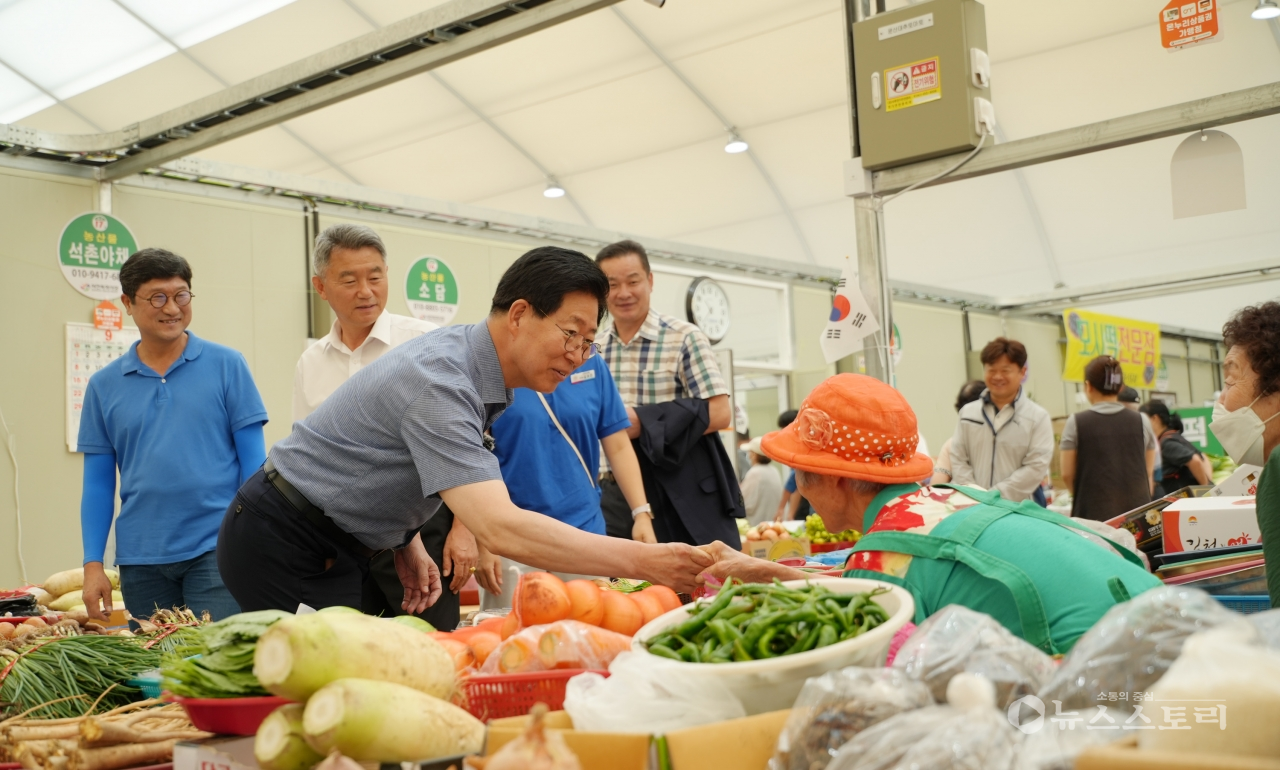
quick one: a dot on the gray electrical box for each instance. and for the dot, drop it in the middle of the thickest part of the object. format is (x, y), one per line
(923, 81)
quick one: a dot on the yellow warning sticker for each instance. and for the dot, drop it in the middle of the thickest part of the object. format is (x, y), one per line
(912, 84)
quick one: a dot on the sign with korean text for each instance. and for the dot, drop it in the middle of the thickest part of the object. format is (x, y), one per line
(107, 316)
(1185, 22)
(912, 84)
(1135, 344)
(431, 290)
(91, 250)
(1195, 428)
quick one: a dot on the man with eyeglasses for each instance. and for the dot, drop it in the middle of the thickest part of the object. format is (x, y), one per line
(678, 402)
(182, 419)
(548, 448)
(364, 472)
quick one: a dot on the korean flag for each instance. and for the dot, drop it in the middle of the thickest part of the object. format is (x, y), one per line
(851, 319)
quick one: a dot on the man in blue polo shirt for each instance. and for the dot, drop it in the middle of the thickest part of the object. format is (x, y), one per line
(182, 419)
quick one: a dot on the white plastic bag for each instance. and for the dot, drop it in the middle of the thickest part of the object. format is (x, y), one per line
(1222, 696)
(838, 705)
(967, 734)
(957, 640)
(647, 694)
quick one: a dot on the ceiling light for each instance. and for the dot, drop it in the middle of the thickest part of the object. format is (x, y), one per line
(736, 145)
(554, 190)
(1267, 9)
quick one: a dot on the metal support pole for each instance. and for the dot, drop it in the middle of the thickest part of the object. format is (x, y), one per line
(873, 281)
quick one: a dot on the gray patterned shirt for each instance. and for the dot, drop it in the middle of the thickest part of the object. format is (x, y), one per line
(376, 454)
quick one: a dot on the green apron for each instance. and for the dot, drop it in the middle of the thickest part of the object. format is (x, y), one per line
(959, 547)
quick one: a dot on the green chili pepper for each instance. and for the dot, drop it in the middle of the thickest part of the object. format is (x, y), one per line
(697, 622)
(664, 651)
(827, 636)
(762, 648)
(740, 653)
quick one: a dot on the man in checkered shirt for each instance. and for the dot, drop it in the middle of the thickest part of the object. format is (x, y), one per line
(654, 358)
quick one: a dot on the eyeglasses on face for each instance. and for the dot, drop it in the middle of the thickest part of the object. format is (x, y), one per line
(160, 299)
(573, 342)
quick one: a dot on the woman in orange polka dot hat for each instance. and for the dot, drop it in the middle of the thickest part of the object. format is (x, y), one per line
(1042, 575)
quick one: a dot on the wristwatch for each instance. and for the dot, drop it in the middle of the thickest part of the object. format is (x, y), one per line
(646, 508)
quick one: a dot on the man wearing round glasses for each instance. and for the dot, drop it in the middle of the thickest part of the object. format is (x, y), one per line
(182, 419)
(366, 470)
(548, 446)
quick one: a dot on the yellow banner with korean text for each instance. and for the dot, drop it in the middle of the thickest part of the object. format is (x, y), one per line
(1135, 344)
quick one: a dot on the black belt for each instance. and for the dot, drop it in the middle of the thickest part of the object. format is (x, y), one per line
(313, 514)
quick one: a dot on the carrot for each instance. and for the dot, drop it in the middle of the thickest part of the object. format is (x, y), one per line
(585, 601)
(578, 645)
(510, 625)
(621, 614)
(463, 657)
(482, 644)
(491, 625)
(666, 597)
(540, 598)
(650, 606)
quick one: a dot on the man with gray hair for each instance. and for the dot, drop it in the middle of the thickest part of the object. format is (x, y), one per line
(350, 266)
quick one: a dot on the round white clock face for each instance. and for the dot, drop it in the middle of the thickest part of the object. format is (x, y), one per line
(708, 307)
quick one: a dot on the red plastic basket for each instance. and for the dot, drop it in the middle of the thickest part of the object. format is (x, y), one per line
(496, 696)
(230, 716)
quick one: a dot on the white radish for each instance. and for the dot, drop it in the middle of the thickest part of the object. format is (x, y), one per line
(385, 722)
(70, 600)
(73, 580)
(280, 743)
(299, 655)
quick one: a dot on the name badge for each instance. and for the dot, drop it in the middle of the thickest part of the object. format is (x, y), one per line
(577, 377)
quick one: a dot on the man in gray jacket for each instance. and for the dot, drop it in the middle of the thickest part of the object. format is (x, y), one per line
(1004, 440)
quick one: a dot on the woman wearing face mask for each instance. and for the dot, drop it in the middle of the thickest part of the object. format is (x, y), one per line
(1108, 451)
(1244, 417)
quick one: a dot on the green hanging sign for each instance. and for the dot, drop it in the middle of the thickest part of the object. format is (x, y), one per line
(91, 251)
(431, 291)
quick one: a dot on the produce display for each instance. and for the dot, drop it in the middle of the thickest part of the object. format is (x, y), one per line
(755, 621)
(59, 677)
(217, 661)
(298, 655)
(769, 530)
(816, 531)
(142, 733)
(371, 721)
(565, 644)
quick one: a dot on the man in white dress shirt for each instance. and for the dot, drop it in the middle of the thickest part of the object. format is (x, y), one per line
(350, 265)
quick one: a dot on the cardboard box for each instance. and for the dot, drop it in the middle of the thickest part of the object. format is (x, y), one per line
(1125, 755)
(596, 751)
(739, 744)
(225, 753)
(1197, 524)
(776, 550)
(1242, 483)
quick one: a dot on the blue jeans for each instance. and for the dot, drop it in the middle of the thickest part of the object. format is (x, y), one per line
(194, 584)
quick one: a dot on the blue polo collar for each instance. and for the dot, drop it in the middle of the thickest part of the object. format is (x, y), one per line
(132, 364)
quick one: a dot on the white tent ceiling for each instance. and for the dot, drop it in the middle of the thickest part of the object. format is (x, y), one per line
(592, 104)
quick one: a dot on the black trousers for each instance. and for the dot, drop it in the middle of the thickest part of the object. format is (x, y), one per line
(382, 592)
(272, 558)
(667, 526)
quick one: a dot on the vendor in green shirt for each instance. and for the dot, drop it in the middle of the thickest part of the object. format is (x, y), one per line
(1244, 417)
(1042, 575)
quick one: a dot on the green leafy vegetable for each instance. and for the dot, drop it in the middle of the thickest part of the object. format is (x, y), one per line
(77, 667)
(217, 662)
